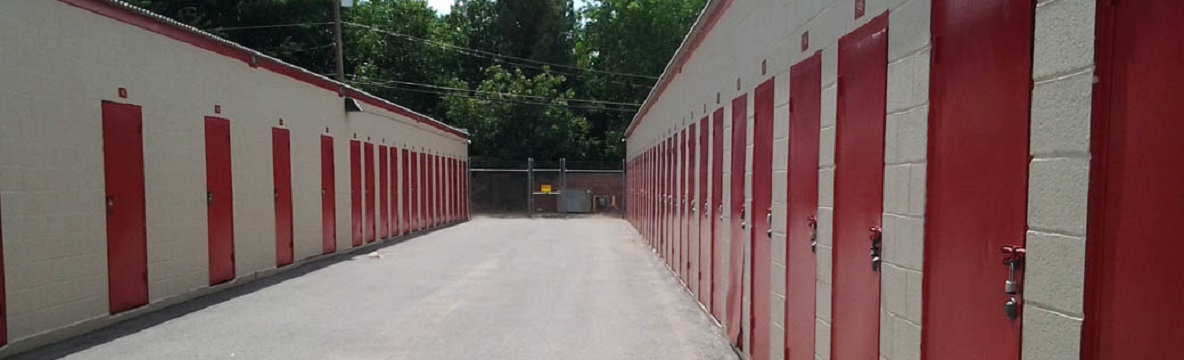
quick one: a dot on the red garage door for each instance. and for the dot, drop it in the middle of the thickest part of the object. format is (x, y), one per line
(859, 190)
(282, 172)
(704, 224)
(805, 105)
(717, 203)
(384, 193)
(393, 191)
(355, 192)
(219, 201)
(408, 192)
(761, 235)
(978, 175)
(328, 197)
(737, 216)
(1133, 300)
(369, 194)
(127, 238)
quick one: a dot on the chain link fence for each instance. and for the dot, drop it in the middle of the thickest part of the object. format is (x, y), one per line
(546, 188)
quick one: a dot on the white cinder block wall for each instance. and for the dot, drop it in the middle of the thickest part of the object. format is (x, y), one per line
(1058, 178)
(731, 50)
(60, 62)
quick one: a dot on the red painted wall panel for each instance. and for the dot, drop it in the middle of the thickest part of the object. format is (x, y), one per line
(761, 234)
(369, 195)
(417, 190)
(805, 109)
(1133, 308)
(977, 175)
(282, 171)
(393, 191)
(328, 197)
(859, 189)
(219, 201)
(717, 203)
(384, 193)
(355, 192)
(407, 193)
(705, 221)
(680, 208)
(127, 238)
(737, 216)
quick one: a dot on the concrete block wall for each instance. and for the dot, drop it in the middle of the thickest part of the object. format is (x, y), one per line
(734, 38)
(51, 160)
(1058, 178)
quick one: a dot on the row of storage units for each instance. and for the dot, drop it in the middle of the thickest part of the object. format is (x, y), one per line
(145, 162)
(923, 179)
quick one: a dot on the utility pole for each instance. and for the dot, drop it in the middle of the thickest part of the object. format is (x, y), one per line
(337, 41)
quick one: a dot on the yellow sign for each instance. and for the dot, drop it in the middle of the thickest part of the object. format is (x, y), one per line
(546, 188)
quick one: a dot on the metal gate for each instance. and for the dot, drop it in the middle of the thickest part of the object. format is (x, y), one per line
(547, 188)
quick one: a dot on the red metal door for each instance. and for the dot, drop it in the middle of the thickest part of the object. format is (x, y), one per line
(438, 191)
(219, 201)
(1132, 301)
(393, 191)
(691, 234)
(421, 187)
(680, 206)
(761, 235)
(805, 105)
(369, 194)
(127, 238)
(355, 192)
(717, 203)
(433, 186)
(859, 190)
(663, 221)
(282, 170)
(672, 203)
(384, 206)
(328, 197)
(704, 225)
(977, 175)
(738, 217)
(408, 193)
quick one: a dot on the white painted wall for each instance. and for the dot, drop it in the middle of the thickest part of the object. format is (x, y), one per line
(60, 62)
(753, 31)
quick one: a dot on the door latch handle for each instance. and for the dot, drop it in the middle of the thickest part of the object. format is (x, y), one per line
(110, 203)
(209, 197)
(769, 223)
(812, 222)
(874, 252)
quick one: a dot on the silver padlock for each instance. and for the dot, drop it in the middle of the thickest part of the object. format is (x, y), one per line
(1010, 286)
(1011, 308)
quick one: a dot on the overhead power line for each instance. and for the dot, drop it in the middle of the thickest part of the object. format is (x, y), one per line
(512, 101)
(495, 55)
(604, 102)
(268, 26)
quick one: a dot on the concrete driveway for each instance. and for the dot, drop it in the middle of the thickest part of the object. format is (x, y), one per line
(486, 289)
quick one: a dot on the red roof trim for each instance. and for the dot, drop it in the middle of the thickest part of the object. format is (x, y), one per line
(712, 19)
(125, 15)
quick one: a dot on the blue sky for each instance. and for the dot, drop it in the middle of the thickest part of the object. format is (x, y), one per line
(445, 6)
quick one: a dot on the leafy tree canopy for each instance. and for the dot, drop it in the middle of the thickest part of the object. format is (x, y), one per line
(528, 78)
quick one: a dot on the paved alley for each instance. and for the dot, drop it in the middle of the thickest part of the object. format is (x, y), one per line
(487, 289)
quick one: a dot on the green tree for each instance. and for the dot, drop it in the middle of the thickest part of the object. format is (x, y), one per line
(628, 37)
(515, 116)
(385, 55)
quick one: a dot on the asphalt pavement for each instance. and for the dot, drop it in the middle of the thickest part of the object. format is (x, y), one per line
(485, 289)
